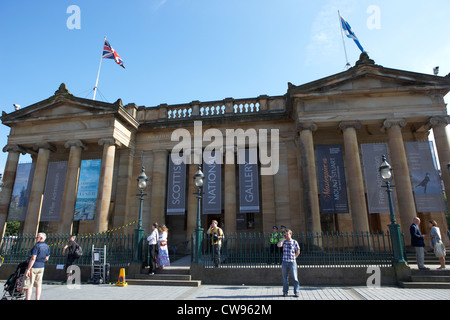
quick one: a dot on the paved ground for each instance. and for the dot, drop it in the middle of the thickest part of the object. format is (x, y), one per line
(52, 291)
(219, 292)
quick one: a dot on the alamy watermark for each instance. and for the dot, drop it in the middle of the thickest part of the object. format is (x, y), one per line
(190, 149)
(374, 20)
(74, 20)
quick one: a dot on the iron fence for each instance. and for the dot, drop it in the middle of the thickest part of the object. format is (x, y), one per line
(119, 248)
(316, 250)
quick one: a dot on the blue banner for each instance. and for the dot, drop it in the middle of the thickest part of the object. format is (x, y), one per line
(331, 176)
(21, 192)
(87, 190)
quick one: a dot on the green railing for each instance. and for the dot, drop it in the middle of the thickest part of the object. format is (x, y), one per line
(317, 250)
(119, 248)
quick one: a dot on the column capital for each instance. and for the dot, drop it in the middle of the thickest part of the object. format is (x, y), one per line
(349, 124)
(306, 126)
(437, 121)
(389, 123)
(109, 142)
(14, 148)
(45, 146)
(75, 143)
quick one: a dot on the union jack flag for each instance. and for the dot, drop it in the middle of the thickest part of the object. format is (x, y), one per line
(110, 53)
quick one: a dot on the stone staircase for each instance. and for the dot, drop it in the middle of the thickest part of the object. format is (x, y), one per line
(178, 274)
(427, 279)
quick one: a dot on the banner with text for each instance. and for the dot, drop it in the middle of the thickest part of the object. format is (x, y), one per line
(331, 175)
(21, 192)
(377, 198)
(212, 185)
(54, 190)
(248, 180)
(176, 187)
(87, 190)
(425, 176)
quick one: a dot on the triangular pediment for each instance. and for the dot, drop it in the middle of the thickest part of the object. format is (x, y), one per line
(62, 105)
(367, 77)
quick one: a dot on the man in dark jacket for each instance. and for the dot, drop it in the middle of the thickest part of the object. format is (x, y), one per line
(418, 243)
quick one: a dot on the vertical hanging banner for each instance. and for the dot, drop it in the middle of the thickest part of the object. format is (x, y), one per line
(54, 190)
(424, 176)
(377, 198)
(331, 175)
(176, 186)
(87, 190)
(21, 192)
(248, 180)
(212, 185)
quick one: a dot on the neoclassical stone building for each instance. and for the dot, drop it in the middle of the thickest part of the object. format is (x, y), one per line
(323, 138)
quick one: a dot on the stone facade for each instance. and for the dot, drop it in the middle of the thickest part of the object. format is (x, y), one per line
(366, 104)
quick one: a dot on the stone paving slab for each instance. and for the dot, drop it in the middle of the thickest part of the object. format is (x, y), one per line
(221, 292)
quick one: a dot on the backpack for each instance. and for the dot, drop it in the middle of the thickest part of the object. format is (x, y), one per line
(78, 252)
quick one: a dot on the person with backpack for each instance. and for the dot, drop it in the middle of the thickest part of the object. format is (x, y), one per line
(74, 253)
(216, 241)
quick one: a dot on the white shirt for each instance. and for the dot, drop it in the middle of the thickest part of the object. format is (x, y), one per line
(153, 238)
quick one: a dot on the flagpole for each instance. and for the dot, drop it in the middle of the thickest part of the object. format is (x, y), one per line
(98, 73)
(347, 65)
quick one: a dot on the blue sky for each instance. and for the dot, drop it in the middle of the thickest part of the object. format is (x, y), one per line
(177, 51)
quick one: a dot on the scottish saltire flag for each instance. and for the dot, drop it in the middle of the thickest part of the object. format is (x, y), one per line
(349, 33)
(110, 53)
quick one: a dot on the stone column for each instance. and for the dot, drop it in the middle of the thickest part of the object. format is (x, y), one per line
(105, 184)
(159, 185)
(281, 188)
(71, 185)
(355, 177)
(309, 176)
(441, 138)
(33, 216)
(400, 169)
(230, 204)
(9, 177)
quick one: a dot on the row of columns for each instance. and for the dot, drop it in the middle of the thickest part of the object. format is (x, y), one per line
(44, 150)
(270, 185)
(355, 179)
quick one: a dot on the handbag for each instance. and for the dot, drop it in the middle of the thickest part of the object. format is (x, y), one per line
(439, 249)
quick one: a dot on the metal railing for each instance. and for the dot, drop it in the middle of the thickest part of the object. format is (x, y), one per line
(316, 250)
(15, 249)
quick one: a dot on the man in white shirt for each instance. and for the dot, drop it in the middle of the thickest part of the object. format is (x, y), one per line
(153, 244)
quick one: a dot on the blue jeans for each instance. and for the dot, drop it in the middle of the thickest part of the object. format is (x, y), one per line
(286, 268)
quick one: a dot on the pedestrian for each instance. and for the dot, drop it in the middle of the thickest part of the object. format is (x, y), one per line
(71, 257)
(163, 251)
(153, 248)
(273, 241)
(436, 240)
(34, 273)
(418, 243)
(291, 250)
(216, 241)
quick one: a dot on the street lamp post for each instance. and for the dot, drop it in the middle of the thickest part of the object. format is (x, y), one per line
(139, 231)
(198, 181)
(394, 228)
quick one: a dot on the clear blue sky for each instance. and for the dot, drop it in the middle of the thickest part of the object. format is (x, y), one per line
(177, 51)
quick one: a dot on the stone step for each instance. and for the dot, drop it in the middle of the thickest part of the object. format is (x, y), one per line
(424, 285)
(424, 278)
(151, 282)
(163, 276)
